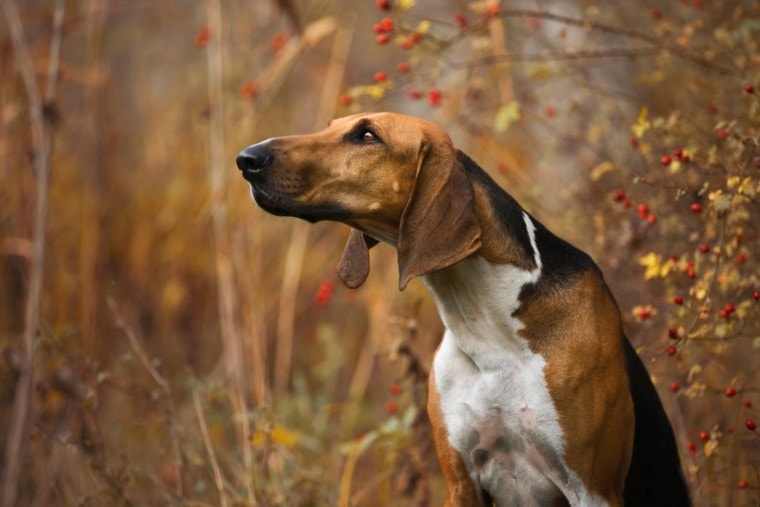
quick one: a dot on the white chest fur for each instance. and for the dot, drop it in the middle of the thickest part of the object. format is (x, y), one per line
(494, 397)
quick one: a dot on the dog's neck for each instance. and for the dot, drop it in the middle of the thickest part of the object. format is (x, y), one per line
(477, 298)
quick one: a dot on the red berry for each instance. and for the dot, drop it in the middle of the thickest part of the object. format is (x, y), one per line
(627, 203)
(656, 14)
(723, 314)
(741, 258)
(645, 313)
(729, 308)
(729, 429)
(249, 90)
(674, 387)
(704, 248)
(756, 296)
(387, 24)
(666, 160)
(730, 392)
(391, 407)
(723, 133)
(407, 44)
(380, 76)
(696, 208)
(673, 333)
(384, 5)
(202, 37)
(493, 9)
(672, 351)
(278, 42)
(678, 299)
(747, 403)
(692, 448)
(324, 293)
(651, 218)
(434, 96)
(643, 210)
(550, 111)
(416, 37)
(742, 484)
(403, 67)
(749, 88)
(678, 153)
(345, 100)
(634, 141)
(691, 274)
(382, 38)
(704, 436)
(415, 94)
(461, 20)
(395, 389)
(750, 424)
(378, 28)
(618, 196)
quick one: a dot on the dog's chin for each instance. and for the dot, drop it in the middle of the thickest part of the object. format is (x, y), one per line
(287, 207)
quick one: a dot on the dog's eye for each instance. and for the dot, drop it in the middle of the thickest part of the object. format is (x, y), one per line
(368, 136)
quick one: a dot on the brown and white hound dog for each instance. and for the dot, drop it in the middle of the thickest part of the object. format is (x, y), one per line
(536, 397)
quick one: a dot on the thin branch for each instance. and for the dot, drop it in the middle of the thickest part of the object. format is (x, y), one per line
(218, 479)
(555, 56)
(159, 379)
(42, 151)
(588, 24)
(137, 347)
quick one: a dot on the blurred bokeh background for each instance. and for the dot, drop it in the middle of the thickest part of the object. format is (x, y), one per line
(187, 348)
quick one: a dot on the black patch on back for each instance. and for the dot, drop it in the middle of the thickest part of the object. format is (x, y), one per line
(655, 476)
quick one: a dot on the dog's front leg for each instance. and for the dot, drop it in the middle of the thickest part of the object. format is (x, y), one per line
(460, 490)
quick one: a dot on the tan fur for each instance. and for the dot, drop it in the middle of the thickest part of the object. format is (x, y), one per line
(585, 373)
(460, 491)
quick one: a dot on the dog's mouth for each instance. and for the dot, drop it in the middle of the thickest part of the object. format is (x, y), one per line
(283, 205)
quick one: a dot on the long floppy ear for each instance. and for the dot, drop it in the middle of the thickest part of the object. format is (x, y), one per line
(353, 266)
(438, 227)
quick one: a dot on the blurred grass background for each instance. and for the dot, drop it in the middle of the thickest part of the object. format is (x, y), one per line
(194, 350)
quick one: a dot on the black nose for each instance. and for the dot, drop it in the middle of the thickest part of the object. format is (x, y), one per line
(254, 158)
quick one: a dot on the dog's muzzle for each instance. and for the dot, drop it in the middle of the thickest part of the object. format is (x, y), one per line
(253, 160)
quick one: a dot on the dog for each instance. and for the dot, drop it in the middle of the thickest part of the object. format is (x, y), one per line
(536, 397)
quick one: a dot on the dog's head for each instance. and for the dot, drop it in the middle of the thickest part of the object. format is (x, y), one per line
(392, 178)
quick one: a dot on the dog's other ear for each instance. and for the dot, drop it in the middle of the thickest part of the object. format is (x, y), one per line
(438, 226)
(353, 266)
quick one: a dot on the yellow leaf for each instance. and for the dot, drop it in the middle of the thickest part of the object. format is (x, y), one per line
(376, 91)
(746, 187)
(711, 447)
(506, 115)
(600, 170)
(642, 124)
(405, 4)
(279, 435)
(652, 263)
(423, 27)
(667, 267)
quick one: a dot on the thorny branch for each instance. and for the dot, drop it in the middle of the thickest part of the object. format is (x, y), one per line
(42, 149)
(589, 25)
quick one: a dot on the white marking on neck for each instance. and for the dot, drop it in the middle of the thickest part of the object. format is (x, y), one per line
(492, 383)
(532, 237)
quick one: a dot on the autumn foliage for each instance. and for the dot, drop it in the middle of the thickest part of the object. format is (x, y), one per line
(193, 349)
